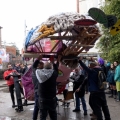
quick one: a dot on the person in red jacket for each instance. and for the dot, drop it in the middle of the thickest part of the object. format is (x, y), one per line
(10, 82)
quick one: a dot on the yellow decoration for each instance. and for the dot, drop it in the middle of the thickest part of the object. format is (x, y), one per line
(45, 28)
(46, 31)
(115, 29)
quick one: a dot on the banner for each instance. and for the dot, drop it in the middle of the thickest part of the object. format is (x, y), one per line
(7, 58)
(2, 55)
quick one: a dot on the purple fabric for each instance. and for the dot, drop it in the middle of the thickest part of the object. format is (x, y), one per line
(101, 61)
(45, 44)
(28, 85)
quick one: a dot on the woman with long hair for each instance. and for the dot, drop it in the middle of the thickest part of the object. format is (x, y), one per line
(110, 79)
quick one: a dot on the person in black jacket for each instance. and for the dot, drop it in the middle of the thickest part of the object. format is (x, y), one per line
(47, 90)
(36, 65)
(23, 69)
(97, 99)
(102, 65)
(79, 80)
(17, 67)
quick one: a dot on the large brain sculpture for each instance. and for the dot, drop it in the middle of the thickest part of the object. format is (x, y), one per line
(67, 34)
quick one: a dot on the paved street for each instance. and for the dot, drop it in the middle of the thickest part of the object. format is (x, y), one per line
(9, 113)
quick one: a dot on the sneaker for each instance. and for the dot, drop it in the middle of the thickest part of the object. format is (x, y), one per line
(25, 102)
(117, 100)
(109, 92)
(115, 97)
(91, 114)
(63, 104)
(57, 104)
(65, 107)
(68, 104)
(111, 96)
(19, 109)
(76, 110)
(13, 106)
(93, 117)
(85, 113)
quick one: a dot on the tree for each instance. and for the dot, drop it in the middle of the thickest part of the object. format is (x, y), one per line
(110, 45)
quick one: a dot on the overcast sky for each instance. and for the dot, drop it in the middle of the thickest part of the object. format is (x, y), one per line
(13, 14)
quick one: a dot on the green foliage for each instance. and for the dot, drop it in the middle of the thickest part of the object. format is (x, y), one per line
(110, 45)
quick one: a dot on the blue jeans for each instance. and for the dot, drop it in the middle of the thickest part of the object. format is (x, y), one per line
(36, 107)
(78, 102)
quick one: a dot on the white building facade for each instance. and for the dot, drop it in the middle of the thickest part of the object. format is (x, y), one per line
(85, 5)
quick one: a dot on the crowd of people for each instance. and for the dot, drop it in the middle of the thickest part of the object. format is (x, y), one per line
(113, 78)
(85, 79)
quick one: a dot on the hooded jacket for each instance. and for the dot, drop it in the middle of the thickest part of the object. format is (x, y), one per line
(47, 82)
(110, 76)
(117, 74)
(92, 77)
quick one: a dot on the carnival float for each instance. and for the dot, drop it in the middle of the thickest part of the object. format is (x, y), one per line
(68, 35)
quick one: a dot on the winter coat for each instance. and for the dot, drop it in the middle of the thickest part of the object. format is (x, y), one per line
(17, 68)
(92, 77)
(110, 76)
(23, 70)
(9, 79)
(47, 82)
(117, 74)
(107, 69)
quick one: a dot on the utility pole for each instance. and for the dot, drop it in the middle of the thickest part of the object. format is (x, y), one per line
(23, 49)
(0, 37)
(25, 29)
(25, 26)
(78, 5)
(77, 1)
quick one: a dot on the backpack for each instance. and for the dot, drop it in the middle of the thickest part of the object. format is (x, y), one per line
(102, 84)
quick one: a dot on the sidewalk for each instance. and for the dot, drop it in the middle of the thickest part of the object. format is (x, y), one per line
(63, 113)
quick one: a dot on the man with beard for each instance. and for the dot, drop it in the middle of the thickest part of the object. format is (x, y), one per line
(8, 76)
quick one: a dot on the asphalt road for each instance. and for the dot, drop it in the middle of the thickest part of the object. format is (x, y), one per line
(9, 113)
